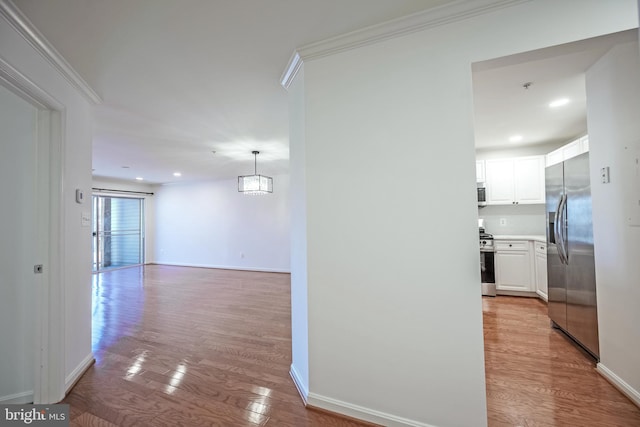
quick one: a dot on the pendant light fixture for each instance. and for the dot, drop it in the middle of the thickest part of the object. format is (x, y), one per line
(255, 184)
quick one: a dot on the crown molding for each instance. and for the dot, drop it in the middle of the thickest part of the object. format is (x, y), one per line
(291, 70)
(30, 33)
(429, 18)
(25, 88)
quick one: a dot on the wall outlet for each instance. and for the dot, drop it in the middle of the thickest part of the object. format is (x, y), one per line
(503, 222)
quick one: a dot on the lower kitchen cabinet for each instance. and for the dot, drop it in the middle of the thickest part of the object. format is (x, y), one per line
(541, 269)
(513, 262)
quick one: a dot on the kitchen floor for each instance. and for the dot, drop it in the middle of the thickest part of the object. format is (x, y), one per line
(537, 377)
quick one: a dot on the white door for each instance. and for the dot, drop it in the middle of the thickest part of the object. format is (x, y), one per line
(18, 247)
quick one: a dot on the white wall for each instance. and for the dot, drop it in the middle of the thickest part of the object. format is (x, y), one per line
(613, 105)
(77, 127)
(149, 207)
(210, 224)
(520, 219)
(299, 296)
(17, 248)
(395, 327)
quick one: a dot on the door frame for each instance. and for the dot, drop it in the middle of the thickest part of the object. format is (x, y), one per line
(49, 348)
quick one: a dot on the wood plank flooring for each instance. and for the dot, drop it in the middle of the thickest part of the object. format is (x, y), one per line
(179, 346)
(537, 377)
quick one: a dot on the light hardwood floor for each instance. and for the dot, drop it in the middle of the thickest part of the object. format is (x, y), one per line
(537, 377)
(181, 346)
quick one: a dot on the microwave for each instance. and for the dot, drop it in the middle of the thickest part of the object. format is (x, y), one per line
(482, 194)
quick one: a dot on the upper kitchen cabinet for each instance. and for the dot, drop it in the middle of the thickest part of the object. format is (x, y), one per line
(572, 149)
(515, 181)
(480, 176)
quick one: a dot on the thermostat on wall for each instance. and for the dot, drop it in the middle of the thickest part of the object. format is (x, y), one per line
(79, 196)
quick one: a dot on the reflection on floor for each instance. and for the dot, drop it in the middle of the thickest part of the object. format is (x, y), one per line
(203, 347)
(193, 347)
(537, 377)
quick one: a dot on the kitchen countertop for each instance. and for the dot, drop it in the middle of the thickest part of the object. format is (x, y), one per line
(535, 237)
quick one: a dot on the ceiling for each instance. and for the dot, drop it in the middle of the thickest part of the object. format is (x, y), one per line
(181, 79)
(193, 86)
(512, 94)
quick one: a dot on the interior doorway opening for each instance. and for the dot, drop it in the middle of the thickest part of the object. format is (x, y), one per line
(118, 232)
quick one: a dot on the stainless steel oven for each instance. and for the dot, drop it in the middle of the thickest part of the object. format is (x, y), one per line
(487, 265)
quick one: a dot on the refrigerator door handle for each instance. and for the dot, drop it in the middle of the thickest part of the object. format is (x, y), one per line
(556, 229)
(562, 229)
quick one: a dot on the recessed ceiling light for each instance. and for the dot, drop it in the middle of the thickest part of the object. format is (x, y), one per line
(515, 138)
(139, 178)
(125, 167)
(177, 174)
(559, 102)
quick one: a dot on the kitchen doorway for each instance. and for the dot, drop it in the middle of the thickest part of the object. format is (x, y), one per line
(118, 232)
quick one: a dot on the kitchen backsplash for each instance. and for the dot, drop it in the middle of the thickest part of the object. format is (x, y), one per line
(517, 219)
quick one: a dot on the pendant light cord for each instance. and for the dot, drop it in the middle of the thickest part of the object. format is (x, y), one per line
(255, 162)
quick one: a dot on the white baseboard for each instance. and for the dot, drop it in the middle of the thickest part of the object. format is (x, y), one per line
(361, 413)
(302, 388)
(18, 398)
(542, 296)
(619, 383)
(75, 375)
(528, 294)
(223, 267)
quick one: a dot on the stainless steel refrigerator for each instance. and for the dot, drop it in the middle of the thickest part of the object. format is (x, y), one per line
(570, 261)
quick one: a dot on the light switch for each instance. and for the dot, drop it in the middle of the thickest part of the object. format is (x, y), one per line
(79, 196)
(604, 175)
(86, 219)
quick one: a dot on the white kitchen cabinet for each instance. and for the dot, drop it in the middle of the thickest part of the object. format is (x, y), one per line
(541, 269)
(584, 144)
(480, 176)
(529, 180)
(500, 183)
(572, 149)
(554, 157)
(567, 151)
(513, 265)
(515, 181)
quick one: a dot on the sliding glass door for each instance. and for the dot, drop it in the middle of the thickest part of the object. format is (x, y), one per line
(118, 232)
